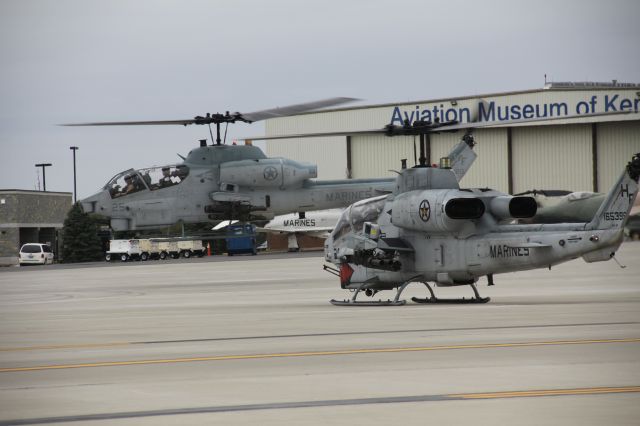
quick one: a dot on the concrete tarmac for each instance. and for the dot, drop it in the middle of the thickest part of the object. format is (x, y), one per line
(254, 340)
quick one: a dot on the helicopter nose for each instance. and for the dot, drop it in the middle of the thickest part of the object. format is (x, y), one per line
(91, 204)
(88, 206)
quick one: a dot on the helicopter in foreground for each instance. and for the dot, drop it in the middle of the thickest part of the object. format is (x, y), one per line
(429, 230)
(224, 182)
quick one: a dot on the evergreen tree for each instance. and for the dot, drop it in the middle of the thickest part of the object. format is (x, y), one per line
(80, 237)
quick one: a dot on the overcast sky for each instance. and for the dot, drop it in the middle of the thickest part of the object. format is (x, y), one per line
(67, 61)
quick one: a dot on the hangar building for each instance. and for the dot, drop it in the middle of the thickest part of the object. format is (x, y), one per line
(578, 154)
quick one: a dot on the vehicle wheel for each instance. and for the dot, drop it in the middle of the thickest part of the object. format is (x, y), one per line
(124, 257)
(163, 256)
(144, 257)
(186, 254)
(108, 258)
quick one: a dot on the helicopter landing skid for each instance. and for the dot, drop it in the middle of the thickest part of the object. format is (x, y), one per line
(395, 302)
(434, 299)
(351, 302)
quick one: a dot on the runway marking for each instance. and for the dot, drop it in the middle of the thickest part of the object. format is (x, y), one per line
(317, 353)
(318, 403)
(73, 346)
(550, 392)
(288, 336)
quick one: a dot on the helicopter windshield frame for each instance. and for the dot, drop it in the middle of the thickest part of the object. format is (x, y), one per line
(131, 181)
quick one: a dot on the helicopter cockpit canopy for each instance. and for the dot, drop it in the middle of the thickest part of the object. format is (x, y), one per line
(153, 178)
(354, 217)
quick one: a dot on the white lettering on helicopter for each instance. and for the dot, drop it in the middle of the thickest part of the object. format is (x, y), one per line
(491, 111)
(300, 222)
(348, 195)
(507, 251)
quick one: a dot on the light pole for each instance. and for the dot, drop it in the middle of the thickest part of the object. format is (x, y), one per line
(44, 178)
(74, 149)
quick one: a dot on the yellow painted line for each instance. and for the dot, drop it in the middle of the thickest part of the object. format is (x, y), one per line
(319, 353)
(553, 392)
(76, 346)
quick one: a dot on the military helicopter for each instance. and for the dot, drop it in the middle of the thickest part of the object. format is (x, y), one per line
(431, 230)
(223, 182)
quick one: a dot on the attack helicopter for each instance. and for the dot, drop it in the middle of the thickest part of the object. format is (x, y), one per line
(431, 230)
(223, 182)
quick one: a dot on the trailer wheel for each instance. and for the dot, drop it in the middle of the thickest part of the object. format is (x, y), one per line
(124, 257)
(108, 257)
(186, 254)
(163, 256)
(144, 257)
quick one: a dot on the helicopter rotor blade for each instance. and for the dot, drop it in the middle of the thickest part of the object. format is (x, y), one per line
(231, 118)
(295, 109)
(315, 135)
(133, 123)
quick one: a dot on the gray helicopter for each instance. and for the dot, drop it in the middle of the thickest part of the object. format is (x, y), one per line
(222, 182)
(429, 230)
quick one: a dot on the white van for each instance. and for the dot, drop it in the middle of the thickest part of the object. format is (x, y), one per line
(35, 254)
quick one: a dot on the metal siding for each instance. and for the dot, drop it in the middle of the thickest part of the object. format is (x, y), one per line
(377, 156)
(617, 142)
(552, 157)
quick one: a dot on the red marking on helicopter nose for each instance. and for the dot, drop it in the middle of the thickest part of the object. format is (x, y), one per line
(345, 273)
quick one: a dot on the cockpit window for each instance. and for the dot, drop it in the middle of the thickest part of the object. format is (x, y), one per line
(127, 182)
(354, 217)
(132, 181)
(366, 211)
(164, 177)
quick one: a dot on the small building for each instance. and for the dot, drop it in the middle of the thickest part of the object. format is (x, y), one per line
(30, 217)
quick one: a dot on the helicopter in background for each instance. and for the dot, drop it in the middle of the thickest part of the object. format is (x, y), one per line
(223, 182)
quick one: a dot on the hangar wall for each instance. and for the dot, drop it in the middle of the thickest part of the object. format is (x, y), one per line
(617, 142)
(578, 154)
(552, 157)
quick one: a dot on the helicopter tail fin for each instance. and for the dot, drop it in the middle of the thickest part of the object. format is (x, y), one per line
(614, 210)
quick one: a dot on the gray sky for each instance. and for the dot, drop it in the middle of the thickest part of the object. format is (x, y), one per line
(95, 60)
